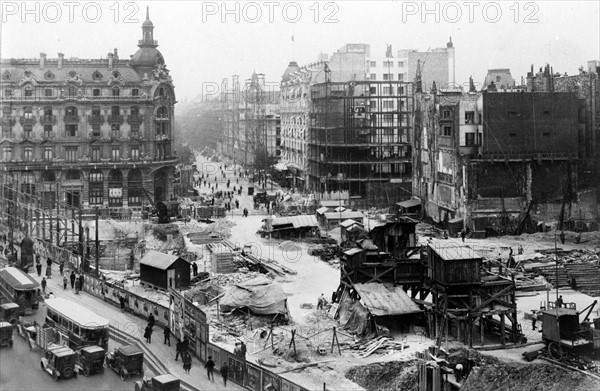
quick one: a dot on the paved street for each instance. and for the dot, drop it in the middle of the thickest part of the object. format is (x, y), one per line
(133, 326)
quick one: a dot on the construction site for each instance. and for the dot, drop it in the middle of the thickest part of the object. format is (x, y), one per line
(379, 300)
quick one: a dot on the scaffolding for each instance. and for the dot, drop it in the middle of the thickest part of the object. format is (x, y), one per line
(360, 140)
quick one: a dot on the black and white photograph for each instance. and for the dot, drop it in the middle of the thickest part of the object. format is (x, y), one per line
(303, 195)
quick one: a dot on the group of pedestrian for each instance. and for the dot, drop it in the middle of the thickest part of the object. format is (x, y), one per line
(210, 370)
(182, 349)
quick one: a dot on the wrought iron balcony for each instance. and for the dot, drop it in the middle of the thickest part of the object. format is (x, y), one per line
(115, 119)
(161, 137)
(96, 119)
(27, 121)
(70, 119)
(134, 119)
(48, 120)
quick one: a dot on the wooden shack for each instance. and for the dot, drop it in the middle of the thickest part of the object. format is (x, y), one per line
(396, 236)
(333, 219)
(454, 265)
(291, 227)
(163, 271)
(351, 230)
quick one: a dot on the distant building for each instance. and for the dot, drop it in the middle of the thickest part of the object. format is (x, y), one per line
(501, 78)
(98, 130)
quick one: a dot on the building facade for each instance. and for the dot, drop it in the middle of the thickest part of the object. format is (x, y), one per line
(91, 133)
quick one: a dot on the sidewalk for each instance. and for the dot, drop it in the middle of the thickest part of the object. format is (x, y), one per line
(134, 327)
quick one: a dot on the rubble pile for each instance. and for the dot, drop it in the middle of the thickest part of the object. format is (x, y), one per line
(526, 377)
(233, 278)
(221, 228)
(394, 375)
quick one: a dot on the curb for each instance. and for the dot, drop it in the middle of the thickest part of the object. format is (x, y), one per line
(153, 362)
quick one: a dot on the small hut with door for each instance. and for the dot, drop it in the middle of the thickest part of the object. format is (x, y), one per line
(164, 271)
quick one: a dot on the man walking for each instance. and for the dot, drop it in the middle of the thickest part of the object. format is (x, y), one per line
(44, 283)
(81, 280)
(49, 268)
(148, 334)
(72, 277)
(210, 368)
(195, 268)
(224, 373)
(167, 333)
(65, 282)
(38, 267)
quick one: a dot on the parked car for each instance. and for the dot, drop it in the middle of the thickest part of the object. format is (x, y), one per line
(6, 333)
(165, 382)
(59, 361)
(126, 361)
(91, 360)
(9, 312)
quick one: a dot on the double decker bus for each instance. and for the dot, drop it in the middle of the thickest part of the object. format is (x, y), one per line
(80, 325)
(20, 288)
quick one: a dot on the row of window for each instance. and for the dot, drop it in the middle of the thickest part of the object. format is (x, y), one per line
(387, 76)
(72, 155)
(71, 92)
(386, 64)
(71, 111)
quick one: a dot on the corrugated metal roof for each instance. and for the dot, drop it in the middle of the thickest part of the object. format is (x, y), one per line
(382, 301)
(158, 260)
(348, 214)
(323, 210)
(454, 252)
(297, 221)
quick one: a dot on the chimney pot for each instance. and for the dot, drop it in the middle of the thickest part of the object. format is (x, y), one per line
(110, 60)
(61, 57)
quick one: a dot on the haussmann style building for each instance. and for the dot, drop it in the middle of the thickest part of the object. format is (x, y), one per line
(90, 132)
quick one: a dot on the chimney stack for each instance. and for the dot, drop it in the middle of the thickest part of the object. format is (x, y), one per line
(61, 57)
(110, 60)
(116, 53)
(42, 60)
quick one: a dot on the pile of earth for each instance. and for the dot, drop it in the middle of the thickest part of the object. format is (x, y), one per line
(392, 375)
(527, 377)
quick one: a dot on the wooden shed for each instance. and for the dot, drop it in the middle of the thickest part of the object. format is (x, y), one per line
(164, 271)
(454, 265)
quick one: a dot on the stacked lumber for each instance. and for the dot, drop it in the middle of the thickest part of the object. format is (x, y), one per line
(270, 265)
(550, 273)
(587, 277)
(381, 344)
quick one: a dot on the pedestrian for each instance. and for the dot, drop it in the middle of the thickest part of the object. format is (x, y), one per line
(238, 349)
(237, 203)
(38, 267)
(559, 302)
(122, 303)
(533, 320)
(72, 277)
(178, 349)
(210, 367)
(224, 373)
(151, 320)
(321, 302)
(463, 234)
(243, 349)
(167, 333)
(61, 267)
(195, 268)
(187, 361)
(148, 334)
(562, 237)
(49, 268)
(81, 280)
(44, 283)
(65, 282)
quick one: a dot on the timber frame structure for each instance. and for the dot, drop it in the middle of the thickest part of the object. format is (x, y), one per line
(460, 296)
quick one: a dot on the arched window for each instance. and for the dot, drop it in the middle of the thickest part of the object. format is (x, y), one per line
(96, 195)
(162, 112)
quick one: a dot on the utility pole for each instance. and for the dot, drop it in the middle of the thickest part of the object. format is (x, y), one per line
(97, 246)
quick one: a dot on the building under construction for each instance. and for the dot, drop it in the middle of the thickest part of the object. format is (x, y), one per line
(359, 139)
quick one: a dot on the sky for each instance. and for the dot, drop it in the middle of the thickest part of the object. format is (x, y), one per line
(204, 42)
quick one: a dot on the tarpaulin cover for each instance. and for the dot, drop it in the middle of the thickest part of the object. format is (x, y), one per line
(355, 318)
(260, 295)
(204, 293)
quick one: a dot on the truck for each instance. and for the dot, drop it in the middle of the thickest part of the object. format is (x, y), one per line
(59, 361)
(166, 382)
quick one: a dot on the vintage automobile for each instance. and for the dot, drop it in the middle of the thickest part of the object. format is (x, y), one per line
(165, 382)
(59, 361)
(126, 361)
(9, 312)
(90, 360)
(6, 333)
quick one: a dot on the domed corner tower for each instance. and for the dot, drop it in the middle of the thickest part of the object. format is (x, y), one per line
(149, 63)
(145, 60)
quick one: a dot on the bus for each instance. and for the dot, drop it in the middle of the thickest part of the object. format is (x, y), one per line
(19, 287)
(80, 325)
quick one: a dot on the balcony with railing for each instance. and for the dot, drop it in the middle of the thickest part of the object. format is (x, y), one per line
(161, 118)
(27, 120)
(115, 119)
(48, 120)
(134, 119)
(48, 136)
(71, 119)
(161, 137)
(96, 119)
